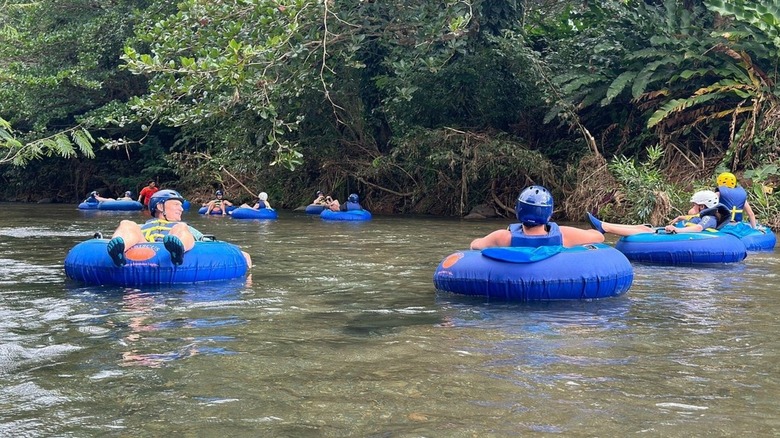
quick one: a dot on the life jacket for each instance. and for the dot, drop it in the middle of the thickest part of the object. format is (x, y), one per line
(353, 206)
(724, 211)
(691, 221)
(155, 229)
(553, 237)
(734, 199)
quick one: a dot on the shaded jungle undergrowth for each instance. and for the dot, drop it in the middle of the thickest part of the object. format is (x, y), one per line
(448, 172)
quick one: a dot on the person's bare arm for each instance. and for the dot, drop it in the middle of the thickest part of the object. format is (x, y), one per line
(751, 216)
(496, 238)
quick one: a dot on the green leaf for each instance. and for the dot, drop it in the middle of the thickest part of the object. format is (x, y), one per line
(618, 85)
(677, 105)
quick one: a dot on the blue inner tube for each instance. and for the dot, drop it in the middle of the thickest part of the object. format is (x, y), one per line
(251, 213)
(150, 264)
(682, 248)
(350, 215)
(755, 239)
(314, 208)
(120, 205)
(202, 210)
(88, 205)
(580, 272)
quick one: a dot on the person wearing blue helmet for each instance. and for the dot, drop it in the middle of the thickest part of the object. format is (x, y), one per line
(165, 226)
(534, 208)
(128, 196)
(218, 205)
(353, 203)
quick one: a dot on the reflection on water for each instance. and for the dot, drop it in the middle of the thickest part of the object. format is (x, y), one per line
(154, 326)
(338, 332)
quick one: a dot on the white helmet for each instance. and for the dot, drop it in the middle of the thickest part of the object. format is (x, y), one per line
(263, 196)
(706, 197)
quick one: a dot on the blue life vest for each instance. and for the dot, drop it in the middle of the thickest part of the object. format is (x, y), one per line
(353, 206)
(720, 208)
(553, 237)
(734, 199)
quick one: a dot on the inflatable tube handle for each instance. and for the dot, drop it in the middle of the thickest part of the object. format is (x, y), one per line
(520, 254)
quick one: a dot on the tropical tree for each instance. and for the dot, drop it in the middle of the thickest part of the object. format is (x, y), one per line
(261, 67)
(58, 62)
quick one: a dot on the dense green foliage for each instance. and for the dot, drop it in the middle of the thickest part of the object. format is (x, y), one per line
(420, 106)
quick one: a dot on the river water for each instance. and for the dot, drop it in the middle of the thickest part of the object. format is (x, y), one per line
(339, 332)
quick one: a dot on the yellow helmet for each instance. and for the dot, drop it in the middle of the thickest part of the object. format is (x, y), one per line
(727, 179)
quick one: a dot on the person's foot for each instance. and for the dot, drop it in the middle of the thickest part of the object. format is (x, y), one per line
(175, 247)
(116, 250)
(595, 223)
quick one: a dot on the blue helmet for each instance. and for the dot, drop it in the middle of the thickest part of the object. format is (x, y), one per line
(162, 196)
(353, 198)
(534, 206)
(219, 193)
(128, 193)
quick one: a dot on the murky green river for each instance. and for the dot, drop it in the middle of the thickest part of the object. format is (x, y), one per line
(339, 332)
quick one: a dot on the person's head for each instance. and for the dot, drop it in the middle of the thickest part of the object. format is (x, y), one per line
(218, 193)
(263, 196)
(93, 193)
(534, 206)
(319, 193)
(353, 198)
(727, 179)
(705, 199)
(152, 183)
(128, 193)
(166, 204)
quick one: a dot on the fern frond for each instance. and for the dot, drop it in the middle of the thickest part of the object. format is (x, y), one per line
(679, 105)
(581, 82)
(644, 77)
(617, 86)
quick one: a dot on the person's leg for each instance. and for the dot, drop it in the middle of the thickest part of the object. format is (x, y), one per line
(626, 230)
(573, 236)
(178, 241)
(182, 231)
(618, 229)
(126, 235)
